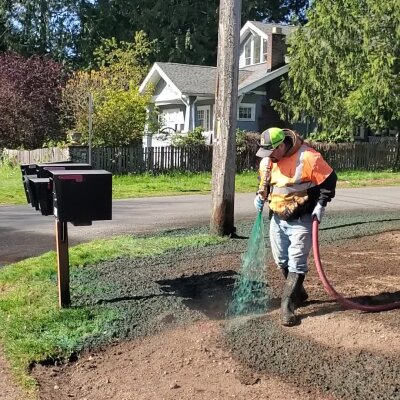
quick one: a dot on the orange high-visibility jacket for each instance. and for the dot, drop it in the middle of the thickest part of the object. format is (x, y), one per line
(290, 181)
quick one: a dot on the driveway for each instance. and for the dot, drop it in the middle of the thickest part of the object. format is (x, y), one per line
(24, 232)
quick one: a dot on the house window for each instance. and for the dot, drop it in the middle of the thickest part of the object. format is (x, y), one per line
(246, 112)
(204, 117)
(265, 50)
(257, 49)
(252, 50)
(247, 52)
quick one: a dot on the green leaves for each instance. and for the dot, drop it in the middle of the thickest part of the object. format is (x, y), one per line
(344, 67)
(119, 109)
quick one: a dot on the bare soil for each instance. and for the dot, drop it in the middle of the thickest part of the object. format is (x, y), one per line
(9, 390)
(331, 354)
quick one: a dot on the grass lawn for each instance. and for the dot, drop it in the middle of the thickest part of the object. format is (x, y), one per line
(181, 183)
(33, 328)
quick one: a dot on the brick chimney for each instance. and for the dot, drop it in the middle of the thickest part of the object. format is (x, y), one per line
(276, 49)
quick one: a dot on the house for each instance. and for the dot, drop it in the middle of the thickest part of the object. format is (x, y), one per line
(185, 94)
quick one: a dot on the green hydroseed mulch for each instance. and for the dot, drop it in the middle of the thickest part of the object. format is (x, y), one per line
(250, 293)
(33, 328)
(126, 287)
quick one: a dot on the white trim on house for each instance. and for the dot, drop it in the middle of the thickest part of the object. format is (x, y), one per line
(153, 78)
(251, 42)
(207, 120)
(248, 106)
(250, 26)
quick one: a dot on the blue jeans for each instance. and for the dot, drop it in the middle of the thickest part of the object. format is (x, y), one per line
(291, 242)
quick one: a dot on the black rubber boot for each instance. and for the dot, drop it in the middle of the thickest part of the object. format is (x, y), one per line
(301, 295)
(292, 285)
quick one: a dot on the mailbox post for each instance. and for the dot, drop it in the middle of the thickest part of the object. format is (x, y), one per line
(79, 197)
(64, 295)
(72, 193)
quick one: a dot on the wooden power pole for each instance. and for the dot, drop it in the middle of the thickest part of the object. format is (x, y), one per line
(224, 143)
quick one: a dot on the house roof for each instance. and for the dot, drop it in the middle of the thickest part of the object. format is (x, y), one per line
(191, 79)
(197, 80)
(267, 28)
(256, 75)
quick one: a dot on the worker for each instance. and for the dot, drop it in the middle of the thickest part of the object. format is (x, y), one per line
(297, 183)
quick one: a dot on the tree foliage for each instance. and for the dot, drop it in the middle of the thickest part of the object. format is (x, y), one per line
(120, 110)
(193, 138)
(71, 30)
(344, 67)
(120, 117)
(30, 96)
(40, 27)
(187, 30)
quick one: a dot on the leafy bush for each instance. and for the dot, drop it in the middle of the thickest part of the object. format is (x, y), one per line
(247, 141)
(191, 139)
(120, 117)
(331, 137)
(30, 98)
(119, 114)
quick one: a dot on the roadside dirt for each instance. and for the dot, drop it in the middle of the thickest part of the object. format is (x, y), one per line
(9, 390)
(332, 354)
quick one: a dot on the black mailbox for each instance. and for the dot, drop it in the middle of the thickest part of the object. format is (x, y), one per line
(82, 196)
(31, 192)
(28, 171)
(45, 170)
(42, 195)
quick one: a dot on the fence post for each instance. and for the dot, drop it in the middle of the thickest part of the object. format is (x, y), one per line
(396, 165)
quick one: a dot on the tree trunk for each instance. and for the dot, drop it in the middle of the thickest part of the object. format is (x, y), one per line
(224, 143)
(43, 26)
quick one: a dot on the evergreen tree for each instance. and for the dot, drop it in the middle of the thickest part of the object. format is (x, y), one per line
(344, 67)
(70, 30)
(43, 27)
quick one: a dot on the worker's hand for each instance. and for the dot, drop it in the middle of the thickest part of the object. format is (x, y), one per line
(258, 203)
(318, 212)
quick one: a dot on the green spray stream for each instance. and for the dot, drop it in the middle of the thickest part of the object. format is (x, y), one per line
(250, 293)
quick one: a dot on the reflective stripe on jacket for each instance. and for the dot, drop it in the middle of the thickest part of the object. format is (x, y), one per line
(290, 178)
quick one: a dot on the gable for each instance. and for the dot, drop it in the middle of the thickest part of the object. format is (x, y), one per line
(164, 92)
(182, 79)
(253, 49)
(254, 41)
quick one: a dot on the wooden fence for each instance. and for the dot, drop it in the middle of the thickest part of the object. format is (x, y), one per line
(122, 160)
(343, 156)
(17, 157)
(157, 159)
(359, 156)
(129, 159)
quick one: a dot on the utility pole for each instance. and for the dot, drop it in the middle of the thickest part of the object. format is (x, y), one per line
(90, 126)
(224, 143)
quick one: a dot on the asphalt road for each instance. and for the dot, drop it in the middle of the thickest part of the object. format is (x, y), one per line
(24, 232)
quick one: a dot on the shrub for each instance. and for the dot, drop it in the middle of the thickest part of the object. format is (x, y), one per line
(30, 98)
(191, 139)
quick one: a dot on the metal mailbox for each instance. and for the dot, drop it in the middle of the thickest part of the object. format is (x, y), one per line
(45, 170)
(82, 196)
(28, 171)
(42, 195)
(73, 193)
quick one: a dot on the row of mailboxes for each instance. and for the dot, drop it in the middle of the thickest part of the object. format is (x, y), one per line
(72, 192)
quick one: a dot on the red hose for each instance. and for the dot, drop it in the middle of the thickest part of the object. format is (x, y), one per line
(332, 292)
